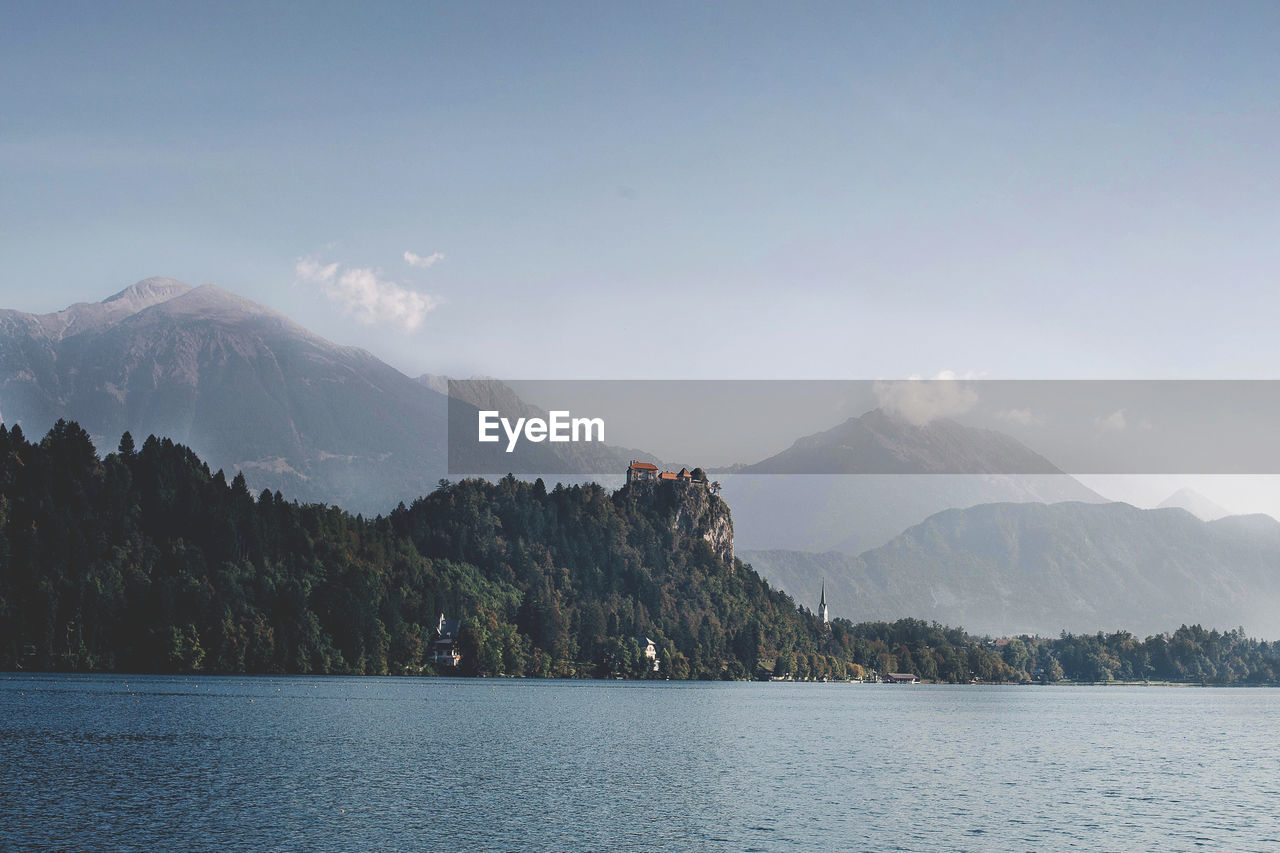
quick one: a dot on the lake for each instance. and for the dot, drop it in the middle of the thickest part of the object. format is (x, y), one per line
(291, 763)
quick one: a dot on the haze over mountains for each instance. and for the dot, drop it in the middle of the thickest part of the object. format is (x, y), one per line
(241, 384)
(1035, 568)
(919, 519)
(248, 389)
(251, 390)
(882, 442)
(1194, 503)
(873, 476)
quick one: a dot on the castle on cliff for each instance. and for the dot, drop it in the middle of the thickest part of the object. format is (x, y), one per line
(644, 472)
(687, 502)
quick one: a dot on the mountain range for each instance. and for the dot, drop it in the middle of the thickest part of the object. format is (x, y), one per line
(900, 518)
(1041, 568)
(246, 387)
(882, 442)
(1194, 503)
(861, 483)
(250, 390)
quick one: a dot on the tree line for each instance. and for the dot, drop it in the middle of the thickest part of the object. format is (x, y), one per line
(144, 560)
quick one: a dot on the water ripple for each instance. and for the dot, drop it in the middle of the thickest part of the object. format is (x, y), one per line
(134, 763)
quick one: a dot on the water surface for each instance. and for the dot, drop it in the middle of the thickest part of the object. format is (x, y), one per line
(208, 763)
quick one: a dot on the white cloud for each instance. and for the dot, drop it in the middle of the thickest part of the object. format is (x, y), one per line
(371, 300)
(1021, 417)
(920, 401)
(312, 270)
(423, 262)
(1114, 422)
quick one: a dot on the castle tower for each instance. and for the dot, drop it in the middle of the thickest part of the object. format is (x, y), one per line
(822, 605)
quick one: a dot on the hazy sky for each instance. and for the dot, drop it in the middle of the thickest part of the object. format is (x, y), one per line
(668, 191)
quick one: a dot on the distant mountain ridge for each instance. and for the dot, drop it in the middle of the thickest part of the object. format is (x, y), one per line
(861, 483)
(248, 389)
(88, 316)
(1038, 568)
(251, 390)
(880, 442)
(1194, 503)
(246, 386)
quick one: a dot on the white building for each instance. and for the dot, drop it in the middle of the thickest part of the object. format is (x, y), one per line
(649, 650)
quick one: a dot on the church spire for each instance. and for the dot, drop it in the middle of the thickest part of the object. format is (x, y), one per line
(822, 605)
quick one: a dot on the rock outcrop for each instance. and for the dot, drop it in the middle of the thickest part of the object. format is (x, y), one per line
(688, 510)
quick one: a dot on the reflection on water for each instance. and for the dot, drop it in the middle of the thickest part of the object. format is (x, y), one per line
(149, 763)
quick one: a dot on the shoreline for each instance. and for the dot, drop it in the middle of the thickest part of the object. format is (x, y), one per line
(10, 675)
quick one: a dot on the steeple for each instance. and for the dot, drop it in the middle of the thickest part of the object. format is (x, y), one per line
(822, 605)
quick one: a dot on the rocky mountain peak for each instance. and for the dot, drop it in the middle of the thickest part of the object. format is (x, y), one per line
(1194, 503)
(148, 292)
(881, 442)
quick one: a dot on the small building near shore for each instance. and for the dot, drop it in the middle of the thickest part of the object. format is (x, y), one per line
(649, 650)
(446, 643)
(901, 678)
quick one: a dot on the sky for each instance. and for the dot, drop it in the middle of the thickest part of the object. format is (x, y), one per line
(841, 190)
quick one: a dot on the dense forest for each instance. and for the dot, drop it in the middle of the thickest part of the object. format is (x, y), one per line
(145, 560)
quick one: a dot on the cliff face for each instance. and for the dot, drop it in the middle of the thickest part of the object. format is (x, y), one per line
(689, 511)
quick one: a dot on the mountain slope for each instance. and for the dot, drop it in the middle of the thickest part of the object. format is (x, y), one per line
(146, 561)
(251, 390)
(1194, 503)
(853, 513)
(1013, 568)
(880, 442)
(861, 483)
(243, 385)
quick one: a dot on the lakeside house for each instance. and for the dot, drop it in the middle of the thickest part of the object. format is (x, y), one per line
(446, 644)
(649, 650)
(901, 678)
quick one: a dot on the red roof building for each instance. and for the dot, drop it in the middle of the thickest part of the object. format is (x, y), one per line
(638, 471)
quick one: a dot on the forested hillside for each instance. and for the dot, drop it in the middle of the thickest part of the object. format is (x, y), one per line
(147, 561)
